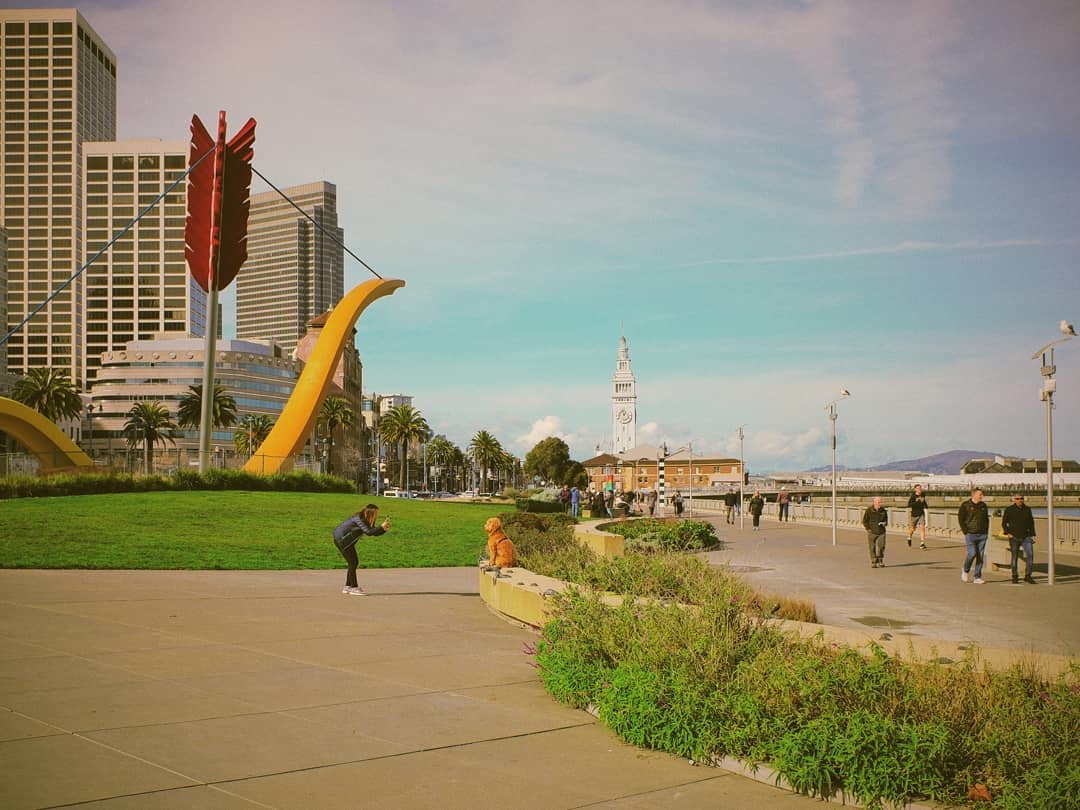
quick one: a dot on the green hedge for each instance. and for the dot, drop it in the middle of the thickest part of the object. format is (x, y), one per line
(28, 486)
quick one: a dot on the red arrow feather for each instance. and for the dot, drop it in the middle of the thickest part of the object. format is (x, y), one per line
(219, 194)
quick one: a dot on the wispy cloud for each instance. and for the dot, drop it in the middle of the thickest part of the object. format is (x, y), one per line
(889, 250)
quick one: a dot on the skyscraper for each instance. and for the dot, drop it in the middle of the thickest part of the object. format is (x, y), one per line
(140, 287)
(59, 90)
(623, 403)
(294, 271)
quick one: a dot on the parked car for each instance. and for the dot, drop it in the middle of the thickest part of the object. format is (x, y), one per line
(397, 493)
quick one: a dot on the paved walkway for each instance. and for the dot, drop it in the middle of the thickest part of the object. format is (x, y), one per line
(234, 690)
(919, 592)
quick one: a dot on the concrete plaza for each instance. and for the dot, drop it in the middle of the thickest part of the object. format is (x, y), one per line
(232, 690)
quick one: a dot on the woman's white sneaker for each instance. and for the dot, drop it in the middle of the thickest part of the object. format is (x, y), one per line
(353, 590)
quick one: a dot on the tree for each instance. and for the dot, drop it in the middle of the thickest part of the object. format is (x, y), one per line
(549, 459)
(401, 426)
(336, 412)
(484, 449)
(441, 453)
(252, 431)
(189, 413)
(149, 423)
(50, 392)
(576, 475)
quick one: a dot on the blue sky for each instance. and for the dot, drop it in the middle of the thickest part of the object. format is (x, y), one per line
(771, 200)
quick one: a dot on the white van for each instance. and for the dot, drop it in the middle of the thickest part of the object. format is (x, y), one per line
(396, 493)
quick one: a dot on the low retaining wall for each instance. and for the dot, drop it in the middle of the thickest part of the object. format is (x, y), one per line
(603, 543)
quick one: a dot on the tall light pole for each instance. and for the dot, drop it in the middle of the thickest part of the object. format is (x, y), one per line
(831, 409)
(90, 418)
(742, 478)
(1047, 395)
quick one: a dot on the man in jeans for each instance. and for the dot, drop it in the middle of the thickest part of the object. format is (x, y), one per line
(875, 519)
(974, 522)
(1018, 524)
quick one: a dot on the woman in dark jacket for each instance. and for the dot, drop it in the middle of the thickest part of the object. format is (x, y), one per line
(757, 506)
(346, 535)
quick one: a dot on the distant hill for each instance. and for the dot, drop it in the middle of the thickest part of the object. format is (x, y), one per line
(947, 463)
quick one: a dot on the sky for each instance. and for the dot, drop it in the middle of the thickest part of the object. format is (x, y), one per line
(770, 200)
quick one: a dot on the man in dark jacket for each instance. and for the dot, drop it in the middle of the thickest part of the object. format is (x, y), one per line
(874, 520)
(917, 504)
(729, 504)
(974, 522)
(1018, 524)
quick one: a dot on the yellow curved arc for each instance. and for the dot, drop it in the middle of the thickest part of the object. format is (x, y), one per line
(292, 429)
(55, 452)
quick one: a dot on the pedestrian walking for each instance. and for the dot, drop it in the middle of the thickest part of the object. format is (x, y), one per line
(652, 502)
(783, 503)
(974, 522)
(729, 503)
(678, 502)
(757, 506)
(875, 520)
(1018, 524)
(917, 506)
(346, 536)
(575, 501)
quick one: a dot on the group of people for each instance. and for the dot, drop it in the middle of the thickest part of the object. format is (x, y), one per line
(1017, 526)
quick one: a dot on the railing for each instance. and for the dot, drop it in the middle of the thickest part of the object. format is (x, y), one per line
(939, 522)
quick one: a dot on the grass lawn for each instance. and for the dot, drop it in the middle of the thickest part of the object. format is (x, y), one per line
(232, 530)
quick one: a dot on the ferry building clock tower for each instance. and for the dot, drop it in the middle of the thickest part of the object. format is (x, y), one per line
(623, 403)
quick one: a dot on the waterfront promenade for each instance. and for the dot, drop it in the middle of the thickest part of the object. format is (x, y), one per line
(260, 689)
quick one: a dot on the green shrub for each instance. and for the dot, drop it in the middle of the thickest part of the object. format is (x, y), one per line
(650, 535)
(25, 486)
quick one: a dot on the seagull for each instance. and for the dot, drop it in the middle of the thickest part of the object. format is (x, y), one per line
(844, 392)
(1067, 328)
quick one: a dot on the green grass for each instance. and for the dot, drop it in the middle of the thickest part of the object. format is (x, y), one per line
(232, 530)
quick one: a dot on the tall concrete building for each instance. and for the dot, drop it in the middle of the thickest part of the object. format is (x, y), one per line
(294, 271)
(140, 287)
(59, 91)
(623, 402)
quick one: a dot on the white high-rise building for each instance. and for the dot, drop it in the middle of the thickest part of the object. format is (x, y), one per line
(623, 403)
(294, 271)
(58, 91)
(140, 287)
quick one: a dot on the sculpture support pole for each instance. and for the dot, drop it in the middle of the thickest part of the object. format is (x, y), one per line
(206, 421)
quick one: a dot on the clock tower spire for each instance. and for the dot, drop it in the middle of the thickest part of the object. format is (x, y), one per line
(623, 402)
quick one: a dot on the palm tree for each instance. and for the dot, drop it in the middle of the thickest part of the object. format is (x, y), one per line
(251, 431)
(50, 392)
(484, 449)
(189, 413)
(149, 423)
(336, 412)
(441, 452)
(403, 425)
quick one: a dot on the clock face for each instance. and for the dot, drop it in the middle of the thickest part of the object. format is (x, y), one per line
(623, 415)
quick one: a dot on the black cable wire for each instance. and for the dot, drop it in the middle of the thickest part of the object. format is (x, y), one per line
(125, 229)
(322, 230)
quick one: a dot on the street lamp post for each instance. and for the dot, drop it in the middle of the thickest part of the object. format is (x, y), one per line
(90, 419)
(1047, 395)
(831, 408)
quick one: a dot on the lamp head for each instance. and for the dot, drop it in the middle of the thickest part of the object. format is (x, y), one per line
(1067, 328)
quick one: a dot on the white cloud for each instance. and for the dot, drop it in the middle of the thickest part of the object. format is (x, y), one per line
(544, 428)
